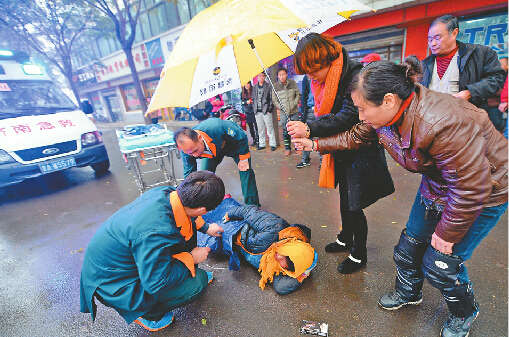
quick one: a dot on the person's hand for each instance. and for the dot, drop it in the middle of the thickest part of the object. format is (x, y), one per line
(215, 230)
(441, 245)
(502, 107)
(243, 165)
(200, 254)
(303, 144)
(278, 112)
(296, 129)
(465, 94)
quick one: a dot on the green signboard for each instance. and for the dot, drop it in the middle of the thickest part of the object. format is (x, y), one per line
(490, 30)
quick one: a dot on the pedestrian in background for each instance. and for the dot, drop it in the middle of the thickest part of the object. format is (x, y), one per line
(247, 106)
(307, 115)
(262, 106)
(463, 192)
(371, 57)
(502, 107)
(289, 94)
(217, 103)
(468, 71)
(362, 176)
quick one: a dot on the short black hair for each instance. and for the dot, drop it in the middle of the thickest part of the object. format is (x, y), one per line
(185, 131)
(282, 69)
(449, 20)
(201, 189)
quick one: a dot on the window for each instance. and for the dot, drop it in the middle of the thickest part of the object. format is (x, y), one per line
(144, 25)
(158, 21)
(198, 5)
(171, 14)
(104, 49)
(183, 8)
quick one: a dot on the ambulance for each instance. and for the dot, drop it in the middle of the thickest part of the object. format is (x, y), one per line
(41, 129)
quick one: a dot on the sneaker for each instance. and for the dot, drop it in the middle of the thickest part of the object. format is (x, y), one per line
(394, 301)
(273, 148)
(458, 326)
(337, 246)
(260, 148)
(351, 265)
(210, 276)
(156, 325)
(303, 164)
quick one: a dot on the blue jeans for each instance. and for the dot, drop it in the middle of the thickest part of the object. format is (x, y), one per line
(422, 227)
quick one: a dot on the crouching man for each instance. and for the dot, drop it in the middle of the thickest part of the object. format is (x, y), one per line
(143, 260)
(280, 251)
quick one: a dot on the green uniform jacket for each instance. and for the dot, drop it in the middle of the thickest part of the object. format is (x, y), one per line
(229, 140)
(129, 258)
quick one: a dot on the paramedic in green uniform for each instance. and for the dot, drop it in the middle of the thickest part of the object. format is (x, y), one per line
(213, 139)
(143, 260)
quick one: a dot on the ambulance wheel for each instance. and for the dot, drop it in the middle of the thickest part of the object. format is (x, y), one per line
(102, 167)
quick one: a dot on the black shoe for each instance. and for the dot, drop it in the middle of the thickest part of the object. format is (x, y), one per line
(394, 301)
(273, 148)
(351, 265)
(303, 164)
(260, 148)
(458, 326)
(337, 246)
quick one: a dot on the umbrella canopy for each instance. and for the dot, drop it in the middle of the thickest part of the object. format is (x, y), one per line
(213, 56)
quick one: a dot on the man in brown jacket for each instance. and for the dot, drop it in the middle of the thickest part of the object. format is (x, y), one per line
(463, 193)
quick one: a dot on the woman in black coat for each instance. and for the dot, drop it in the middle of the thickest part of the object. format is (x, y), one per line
(247, 106)
(362, 176)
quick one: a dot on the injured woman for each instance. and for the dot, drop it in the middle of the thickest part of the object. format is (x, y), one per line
(281, 252)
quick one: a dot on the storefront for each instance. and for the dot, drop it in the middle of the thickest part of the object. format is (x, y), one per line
(397, 33)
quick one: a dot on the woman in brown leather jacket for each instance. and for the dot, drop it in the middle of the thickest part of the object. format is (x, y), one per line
(463, 193)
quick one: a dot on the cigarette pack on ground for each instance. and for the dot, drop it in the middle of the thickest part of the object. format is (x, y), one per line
(314, 328)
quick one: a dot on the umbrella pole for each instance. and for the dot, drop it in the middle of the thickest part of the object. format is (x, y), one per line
(268, 77)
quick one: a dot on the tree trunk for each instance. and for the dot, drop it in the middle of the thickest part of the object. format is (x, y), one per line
(137, 84)
(74, 89)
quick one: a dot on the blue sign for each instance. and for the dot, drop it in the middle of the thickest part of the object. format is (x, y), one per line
(488, 30)
(155, 53)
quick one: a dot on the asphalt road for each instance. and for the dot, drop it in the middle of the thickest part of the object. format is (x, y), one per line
(46, 224)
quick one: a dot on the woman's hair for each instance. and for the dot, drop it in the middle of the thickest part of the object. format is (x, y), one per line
(315, 52)
(201, 189)
(380, 78)
(247, 92)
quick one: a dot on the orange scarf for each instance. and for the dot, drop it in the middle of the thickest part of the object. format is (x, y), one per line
(402, 109)
(325, 95)
(183, 221)
(292, 243)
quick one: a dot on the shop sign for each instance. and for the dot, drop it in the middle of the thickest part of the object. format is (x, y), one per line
(488, 30)
(117, 66)
(155, 53)
(168, 42)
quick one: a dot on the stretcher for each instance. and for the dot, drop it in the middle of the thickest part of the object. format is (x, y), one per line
(149, 152)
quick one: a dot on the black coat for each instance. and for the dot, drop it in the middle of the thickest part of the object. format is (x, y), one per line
(261, 229)
(480, 72)
(266, 98)
(362, 175)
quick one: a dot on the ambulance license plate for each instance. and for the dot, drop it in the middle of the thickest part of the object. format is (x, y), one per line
(57, 165)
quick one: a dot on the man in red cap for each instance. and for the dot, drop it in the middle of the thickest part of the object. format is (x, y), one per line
(372, 57)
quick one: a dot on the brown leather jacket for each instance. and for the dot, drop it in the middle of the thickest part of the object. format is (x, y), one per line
(462, 157)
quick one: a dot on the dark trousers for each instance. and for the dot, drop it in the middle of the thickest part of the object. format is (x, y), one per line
(354, 232)
(247, 178)
(171, 298)
(253, 130)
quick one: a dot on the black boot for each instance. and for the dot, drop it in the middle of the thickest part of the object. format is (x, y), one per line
(442, 272)
(351, 264)
(408, 288)
(340, 245)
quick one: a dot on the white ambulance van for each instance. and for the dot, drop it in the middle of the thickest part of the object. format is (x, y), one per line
(41, 129)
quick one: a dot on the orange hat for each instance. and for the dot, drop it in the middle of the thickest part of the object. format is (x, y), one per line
(372, 57)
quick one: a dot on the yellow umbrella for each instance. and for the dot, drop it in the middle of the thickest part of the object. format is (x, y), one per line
(213, 55)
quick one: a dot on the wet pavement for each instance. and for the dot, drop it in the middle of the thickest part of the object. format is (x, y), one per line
(46, 224)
